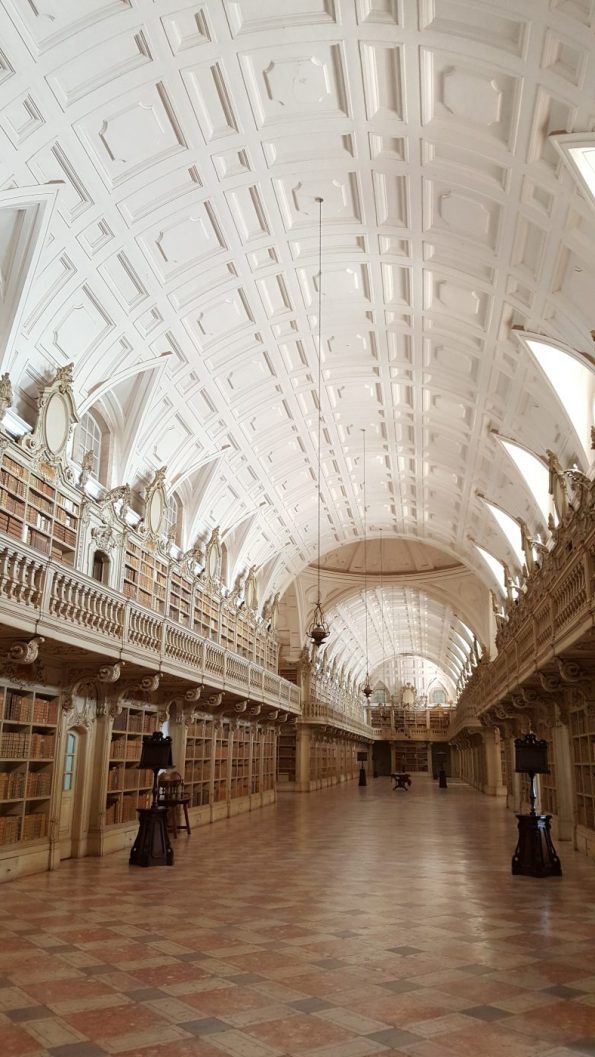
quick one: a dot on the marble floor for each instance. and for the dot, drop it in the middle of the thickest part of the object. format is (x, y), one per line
(340, 924)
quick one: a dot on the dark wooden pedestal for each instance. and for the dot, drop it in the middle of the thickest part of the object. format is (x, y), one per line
(152, 847)
(362, 776)
(535, 855)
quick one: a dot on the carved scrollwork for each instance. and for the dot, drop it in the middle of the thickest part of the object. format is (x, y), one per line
(193, 694)
(549, 682)
(215, 700)
(150, 683)
(23, 652)
(570, 671)
(5, 397)
(56, 418)
(110, 673)
(255, 710)
(155, 506)
(114, 504)
(104, 537)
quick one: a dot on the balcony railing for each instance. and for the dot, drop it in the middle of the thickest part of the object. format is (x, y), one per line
(555, 610)
(43, 597)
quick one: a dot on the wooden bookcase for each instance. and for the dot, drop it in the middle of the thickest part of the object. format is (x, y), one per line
(244, 634)
(128, 788)
(240, 763)
(227, 634)
(145, 578)
(38, 512)
(286, 758)
(206, 613)
(27, 762)
(268, 761)
(410, 756)
(221, 765)
(198, 765)
(582, 731)
(180, 599)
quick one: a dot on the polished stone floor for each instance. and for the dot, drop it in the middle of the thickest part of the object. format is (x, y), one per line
(344, 923)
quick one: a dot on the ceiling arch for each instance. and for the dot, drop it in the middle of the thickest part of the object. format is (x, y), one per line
(185, 146)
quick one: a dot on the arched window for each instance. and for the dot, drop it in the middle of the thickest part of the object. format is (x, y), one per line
(171, 524)
(100, 571)
(88, 438)
(438, 696)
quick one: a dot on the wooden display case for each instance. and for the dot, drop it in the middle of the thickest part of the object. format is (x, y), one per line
(27, 762)
(198, 765)
(128, 788)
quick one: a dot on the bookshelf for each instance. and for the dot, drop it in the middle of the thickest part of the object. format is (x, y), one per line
(199, 756)
(128, 788)
(227, 634)
(244, 634)
(36, 511)
(145, 578)
(548, 794)
(221, 765)
(27, 762)
(582, 732)
(240, 763)
(268, 761)
(286, 758)
(179, 606)
(206, 613)
(410, 757)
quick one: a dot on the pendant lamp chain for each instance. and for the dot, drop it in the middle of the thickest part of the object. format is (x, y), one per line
(318, 629)
(367, 690)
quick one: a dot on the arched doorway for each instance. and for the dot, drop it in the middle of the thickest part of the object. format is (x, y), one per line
(381, 759)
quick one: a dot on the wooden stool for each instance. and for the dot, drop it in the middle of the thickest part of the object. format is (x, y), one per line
(172, 796)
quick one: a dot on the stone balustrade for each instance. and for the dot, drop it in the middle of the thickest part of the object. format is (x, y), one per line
(42, 598)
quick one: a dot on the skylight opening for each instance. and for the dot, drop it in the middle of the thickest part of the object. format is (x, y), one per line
(511, 530)
(494, 566)
(574, 385)
(534, 473)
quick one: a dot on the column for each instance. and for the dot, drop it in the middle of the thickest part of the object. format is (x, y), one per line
(429, 757)
(564, 784)
(494, 785)
(302, 758)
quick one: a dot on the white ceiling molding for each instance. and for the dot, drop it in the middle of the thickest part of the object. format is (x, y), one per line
(101, 388)
(25, 218)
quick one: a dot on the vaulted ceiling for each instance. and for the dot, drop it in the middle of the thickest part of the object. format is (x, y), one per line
(185, 144)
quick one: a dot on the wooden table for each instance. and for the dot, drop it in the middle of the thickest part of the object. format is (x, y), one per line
(402, 780)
